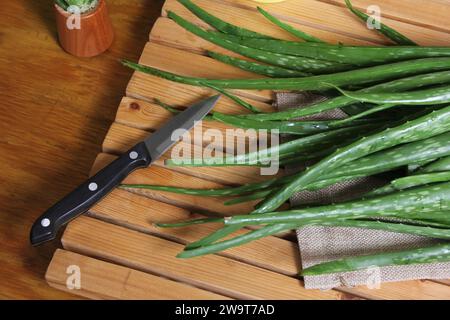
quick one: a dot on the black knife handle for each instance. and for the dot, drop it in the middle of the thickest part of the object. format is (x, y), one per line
(89, 193)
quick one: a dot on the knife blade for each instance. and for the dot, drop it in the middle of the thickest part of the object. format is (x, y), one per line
(142, 155)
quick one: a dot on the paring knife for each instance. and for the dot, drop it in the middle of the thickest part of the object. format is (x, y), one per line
(94, 189)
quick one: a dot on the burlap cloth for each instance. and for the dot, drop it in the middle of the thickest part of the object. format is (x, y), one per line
(320, 244)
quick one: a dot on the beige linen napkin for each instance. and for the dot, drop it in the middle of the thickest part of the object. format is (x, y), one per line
(322, 244)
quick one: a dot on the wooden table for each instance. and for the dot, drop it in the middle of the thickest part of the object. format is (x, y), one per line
(55, 112)
(119, 229)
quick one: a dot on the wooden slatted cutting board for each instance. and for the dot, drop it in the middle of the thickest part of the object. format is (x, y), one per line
(121, 254)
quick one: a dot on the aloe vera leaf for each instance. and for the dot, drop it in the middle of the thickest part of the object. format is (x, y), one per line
(440, 165)
(392, 34)
(265, 231)
(373, 164)
(282, 60)
(294, 31)
(236, 99)
(258, 68)
(321, 82)
(219, 24)
(438, 253)
(427, 199)
(399, 85)
(432, 96)
(423, 231)
(410, 182)
(433, 124)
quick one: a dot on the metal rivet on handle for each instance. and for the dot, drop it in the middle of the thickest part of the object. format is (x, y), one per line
(45, 222)
(134, 155)
(93, 186)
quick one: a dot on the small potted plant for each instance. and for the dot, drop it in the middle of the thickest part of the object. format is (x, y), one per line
(84, 26)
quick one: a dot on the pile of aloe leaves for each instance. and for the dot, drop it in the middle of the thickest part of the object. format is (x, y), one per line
(398, 103)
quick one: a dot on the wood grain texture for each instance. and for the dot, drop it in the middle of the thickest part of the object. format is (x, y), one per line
(254, 21)
(269, 253)
(407, 290)
(432, 14)
(146, 87)
(53, 124)
(128, 239)
(103, 280)
(327, 16)
(148, 116)
(142, 115)
(174, 60)
(167, 32)
(134, 249)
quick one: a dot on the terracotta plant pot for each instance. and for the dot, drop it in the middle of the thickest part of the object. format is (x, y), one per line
(85, 35)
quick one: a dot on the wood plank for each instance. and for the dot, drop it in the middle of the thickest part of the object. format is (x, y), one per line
(270, 253)
(161, 176)
(327, 16)
(120, 138)
(174, 60)
(157, 256)
(432, 14)
(103, 280)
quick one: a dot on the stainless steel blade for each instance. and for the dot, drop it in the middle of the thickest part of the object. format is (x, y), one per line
(160, 141)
